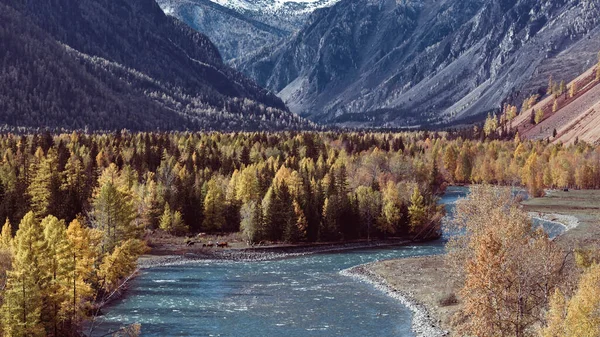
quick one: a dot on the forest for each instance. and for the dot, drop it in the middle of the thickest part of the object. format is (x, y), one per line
(78, 206)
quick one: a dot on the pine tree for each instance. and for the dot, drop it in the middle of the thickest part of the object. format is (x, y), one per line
(27, 281)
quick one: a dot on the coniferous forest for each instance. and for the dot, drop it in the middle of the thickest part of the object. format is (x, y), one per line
(77, 206)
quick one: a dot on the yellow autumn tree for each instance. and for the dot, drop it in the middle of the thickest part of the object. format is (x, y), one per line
(84, 252)
(26, 283)
(120, 264)
(583, 311)
(60, 268)
(508, 269)
(6, 236)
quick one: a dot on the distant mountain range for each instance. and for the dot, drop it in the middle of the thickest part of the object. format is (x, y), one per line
(423, 62)
(241, 27)
(113, 64)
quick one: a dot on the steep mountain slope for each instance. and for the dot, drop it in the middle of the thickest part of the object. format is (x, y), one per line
(285, 14)
(568, 117)
(416, 62)
(110, 64)
(240, 27)
(233, 33)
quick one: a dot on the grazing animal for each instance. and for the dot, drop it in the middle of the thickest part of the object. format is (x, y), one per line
(222, 244)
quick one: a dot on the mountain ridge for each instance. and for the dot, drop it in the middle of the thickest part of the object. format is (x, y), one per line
(386, 63)
(132, 52)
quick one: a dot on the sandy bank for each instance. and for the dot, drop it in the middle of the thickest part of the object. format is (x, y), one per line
(423, 324)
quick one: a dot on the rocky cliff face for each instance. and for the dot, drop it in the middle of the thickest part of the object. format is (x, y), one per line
(110, 64)
(417, 62)
(234, 33)
(241, 27)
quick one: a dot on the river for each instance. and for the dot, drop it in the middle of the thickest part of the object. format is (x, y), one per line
(300, 296)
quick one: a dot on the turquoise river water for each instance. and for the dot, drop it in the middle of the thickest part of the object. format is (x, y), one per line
(300, 296)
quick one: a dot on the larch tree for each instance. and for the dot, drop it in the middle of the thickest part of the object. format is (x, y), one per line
(251, 221)
(27, 281)
(6, 237)
(84, 242)
(508, 269)
(391, 213)
(583, 311)
(555, 317)
(60, 268)
(114, 212)
(417, 211)
(214, 207)
(295, 226)
(329, 229)
(120, 264)
(44, 189)
(369, 207)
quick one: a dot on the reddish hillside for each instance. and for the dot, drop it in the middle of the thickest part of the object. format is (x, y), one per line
(577, 117)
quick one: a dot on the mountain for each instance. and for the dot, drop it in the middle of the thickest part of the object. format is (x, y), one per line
(567, 117)
(233, 33)
(240, 27)
(421, 62)
(285, 14)
(112, 64)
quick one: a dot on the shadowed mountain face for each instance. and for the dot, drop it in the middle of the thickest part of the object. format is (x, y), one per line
(399, 63)
(111, 64)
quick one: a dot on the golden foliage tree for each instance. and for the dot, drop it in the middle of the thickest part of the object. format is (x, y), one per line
(27, 281)
(579, 316)
(83, 257)
(509, 269)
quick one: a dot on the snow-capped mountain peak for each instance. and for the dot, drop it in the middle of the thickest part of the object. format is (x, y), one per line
(274, 6)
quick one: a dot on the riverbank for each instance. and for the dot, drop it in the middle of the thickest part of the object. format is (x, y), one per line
(256, 254)
(424, 324)
(427, 279)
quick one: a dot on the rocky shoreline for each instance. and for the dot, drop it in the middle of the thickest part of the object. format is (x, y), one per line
(259, 254)
(423, 324)
(568, 221)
